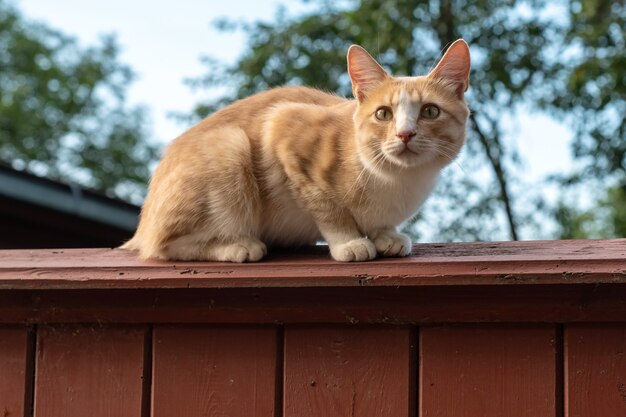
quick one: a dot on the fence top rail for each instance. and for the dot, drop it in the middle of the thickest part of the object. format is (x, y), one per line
(435, 264)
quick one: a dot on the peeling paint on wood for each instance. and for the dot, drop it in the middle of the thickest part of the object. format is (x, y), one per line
(502, 263)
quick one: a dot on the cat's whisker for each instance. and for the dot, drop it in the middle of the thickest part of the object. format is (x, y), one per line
(355, 183)
(450, 157)
(448, 151)
(377, 162)
(428, 144)
(453, 150)
(364, 170)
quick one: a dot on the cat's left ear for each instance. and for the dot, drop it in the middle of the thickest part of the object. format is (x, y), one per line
(365, 73)
(454, 66)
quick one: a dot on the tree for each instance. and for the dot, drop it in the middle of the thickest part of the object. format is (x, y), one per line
(592, 98)
(62, 110)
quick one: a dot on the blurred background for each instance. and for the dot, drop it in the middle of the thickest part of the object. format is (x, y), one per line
(91, 93)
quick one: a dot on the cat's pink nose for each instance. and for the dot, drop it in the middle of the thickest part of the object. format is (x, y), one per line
(405, 135)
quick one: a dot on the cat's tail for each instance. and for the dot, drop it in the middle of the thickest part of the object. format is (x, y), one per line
(132, 244)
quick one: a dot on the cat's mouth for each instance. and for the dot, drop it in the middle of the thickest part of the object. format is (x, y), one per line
(405, 152)
(405, 156)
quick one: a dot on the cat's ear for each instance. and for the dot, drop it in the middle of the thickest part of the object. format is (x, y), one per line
(364, 71)
(454, 66)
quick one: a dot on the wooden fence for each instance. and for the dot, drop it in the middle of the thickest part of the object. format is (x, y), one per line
(534, 329)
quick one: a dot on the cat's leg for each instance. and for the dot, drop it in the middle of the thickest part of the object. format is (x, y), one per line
(234, 200)
(390, 243)
(225, 225)
(337, 226)
(347, 244)
(305, 161)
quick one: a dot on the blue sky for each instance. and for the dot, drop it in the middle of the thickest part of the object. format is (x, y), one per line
(163, 40)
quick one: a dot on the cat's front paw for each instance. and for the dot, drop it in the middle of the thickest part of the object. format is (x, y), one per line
(356, 250)
(391, 243)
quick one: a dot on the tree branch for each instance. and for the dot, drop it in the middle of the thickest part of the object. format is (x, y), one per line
(499, 171)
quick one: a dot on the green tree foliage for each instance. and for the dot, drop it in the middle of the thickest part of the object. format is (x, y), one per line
(62, 111)
(593, 96)
(564, 57)
(605, 218)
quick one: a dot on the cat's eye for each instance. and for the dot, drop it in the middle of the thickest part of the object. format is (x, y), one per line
(384, 114)
(430, 111)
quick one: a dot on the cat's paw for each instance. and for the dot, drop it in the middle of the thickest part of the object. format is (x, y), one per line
(391, 243)
(244, 250)
(356, 250)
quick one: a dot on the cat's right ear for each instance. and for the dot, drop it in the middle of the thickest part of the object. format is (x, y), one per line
(365, 73)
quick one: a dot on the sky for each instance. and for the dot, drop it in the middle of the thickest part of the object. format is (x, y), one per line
(163, 40)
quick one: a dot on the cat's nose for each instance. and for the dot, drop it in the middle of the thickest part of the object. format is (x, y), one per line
(405, 135)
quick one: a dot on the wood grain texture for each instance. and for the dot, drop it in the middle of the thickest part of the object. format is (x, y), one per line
(348, 371)
(482, 263)
(488, 371)
(214, 372)
(89, 371)
(13, 370)
(595, 370)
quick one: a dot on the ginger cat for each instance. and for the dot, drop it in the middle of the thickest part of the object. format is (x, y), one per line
(293, 165)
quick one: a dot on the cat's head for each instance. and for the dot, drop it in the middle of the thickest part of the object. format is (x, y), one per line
(406, 122)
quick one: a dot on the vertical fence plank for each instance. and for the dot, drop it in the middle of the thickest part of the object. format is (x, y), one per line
(595, 370)
(488, 371)
(348, 371)
(89, 371)
(214, 371)
(13, 366)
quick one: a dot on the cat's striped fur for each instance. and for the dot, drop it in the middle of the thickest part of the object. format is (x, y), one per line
(295, 165)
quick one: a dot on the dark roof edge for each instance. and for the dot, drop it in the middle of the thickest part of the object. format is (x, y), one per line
(67, 198)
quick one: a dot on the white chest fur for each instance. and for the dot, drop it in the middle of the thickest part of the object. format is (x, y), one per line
(391, 202)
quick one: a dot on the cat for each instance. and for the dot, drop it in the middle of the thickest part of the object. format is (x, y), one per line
(294, 165)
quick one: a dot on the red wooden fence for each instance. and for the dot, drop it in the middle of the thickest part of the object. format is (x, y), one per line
(456, 330)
